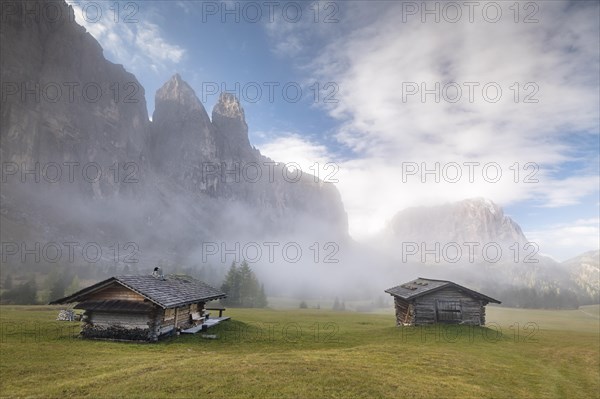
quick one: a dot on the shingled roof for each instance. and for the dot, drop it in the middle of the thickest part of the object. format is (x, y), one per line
(422, 286)
(167, 292)
(116, 305)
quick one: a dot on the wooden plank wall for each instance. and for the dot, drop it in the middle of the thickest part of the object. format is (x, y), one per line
(158, 322)
(116, 291)
(155, 324)
(482, 314)
(127, 320)
(471, 308)
(183, 317)
(404, 312)
(166, 319)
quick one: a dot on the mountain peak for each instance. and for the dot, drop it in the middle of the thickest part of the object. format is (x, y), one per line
(229, 106)
(469, 220)
(181, 131)
(483, 203)
(179, 91)
(232, 131)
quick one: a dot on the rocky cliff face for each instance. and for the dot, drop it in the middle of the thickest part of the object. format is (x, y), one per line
(215, 158)
(232, 131)
(473, 220)
(63, 102)
(182, 136)
(584, 271)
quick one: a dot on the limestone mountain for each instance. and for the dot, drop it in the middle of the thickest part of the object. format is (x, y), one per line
(232, 131)
(584, 271)
(471, 220)
(161, 183)
(64, 102)
(520, 274)
(182, 135)
(215, 158)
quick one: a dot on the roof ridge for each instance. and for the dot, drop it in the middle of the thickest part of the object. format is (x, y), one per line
(412, 289)
(432, 279)
(173, 291)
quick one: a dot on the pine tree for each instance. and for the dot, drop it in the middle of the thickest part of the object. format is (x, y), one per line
(248, 286)
(336, 304)
(28, 294)
(57, 284)
(242, 288)
(262, 298)
(23, 294)
(231, 286)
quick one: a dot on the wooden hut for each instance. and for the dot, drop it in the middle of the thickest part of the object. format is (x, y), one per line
(427, 301)
(143, 308)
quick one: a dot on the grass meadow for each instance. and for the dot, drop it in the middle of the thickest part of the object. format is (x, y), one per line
(310, 353)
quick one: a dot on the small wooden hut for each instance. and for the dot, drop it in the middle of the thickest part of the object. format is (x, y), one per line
(143, 308)
(427, 301)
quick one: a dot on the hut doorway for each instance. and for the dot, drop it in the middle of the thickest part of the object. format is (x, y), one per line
(448, 311)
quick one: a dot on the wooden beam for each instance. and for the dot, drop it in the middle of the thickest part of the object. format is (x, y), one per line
(176, 320)
(407, 315)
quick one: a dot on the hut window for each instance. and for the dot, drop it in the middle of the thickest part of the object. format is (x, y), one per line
(449, 311)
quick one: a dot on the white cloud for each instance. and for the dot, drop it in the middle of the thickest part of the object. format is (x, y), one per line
(140, 45)
(568, 191)
(563, 241)
(291, 148)
(149, 41)
(374, 58)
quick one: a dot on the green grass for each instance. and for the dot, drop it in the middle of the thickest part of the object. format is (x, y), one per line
(309, 353)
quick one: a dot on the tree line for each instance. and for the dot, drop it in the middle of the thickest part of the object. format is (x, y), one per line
(29, 292)
(243, 288)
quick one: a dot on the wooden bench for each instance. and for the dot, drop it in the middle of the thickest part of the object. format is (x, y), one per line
(220, 308)
(197, 318)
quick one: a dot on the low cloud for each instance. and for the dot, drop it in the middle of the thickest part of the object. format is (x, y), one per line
(565, 239)
(292, 149)
(527, 94)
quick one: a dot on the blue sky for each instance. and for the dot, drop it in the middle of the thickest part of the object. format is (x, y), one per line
(376, 60)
